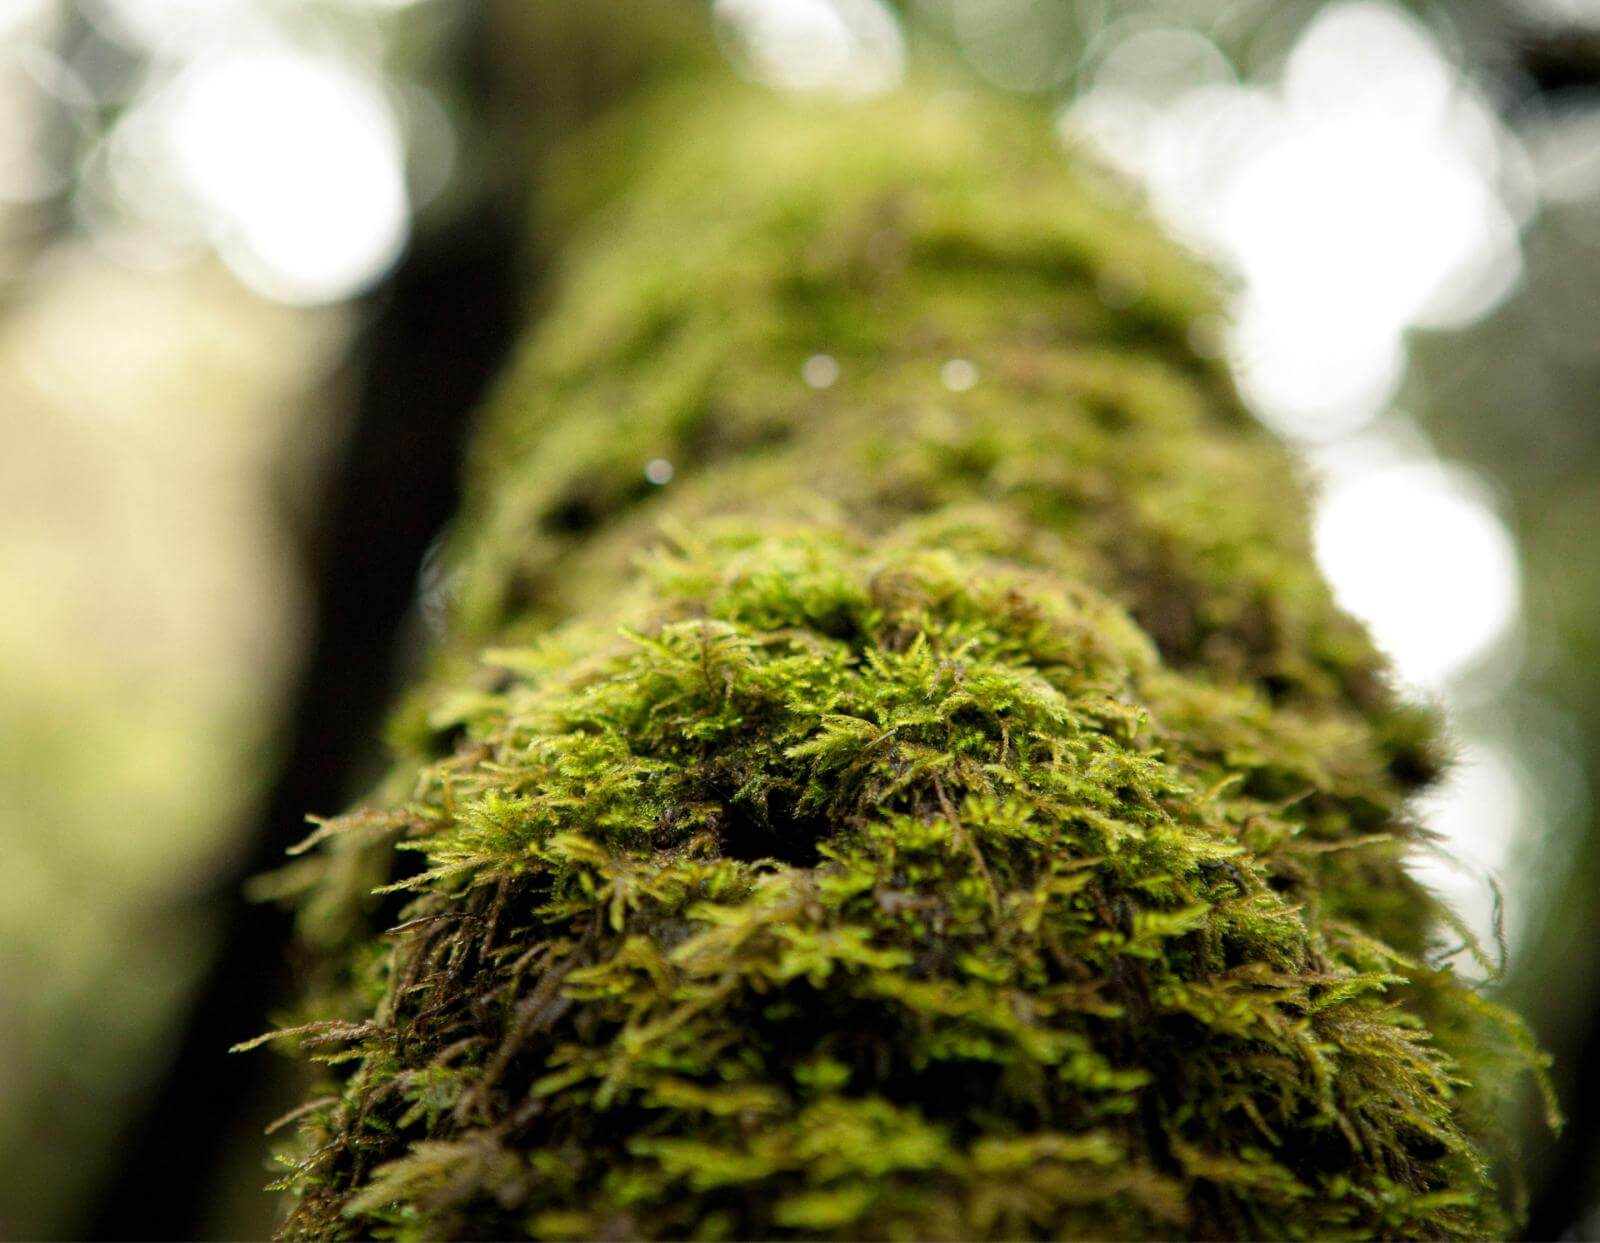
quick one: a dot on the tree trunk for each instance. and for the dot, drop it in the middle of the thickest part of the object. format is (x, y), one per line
(892, 767)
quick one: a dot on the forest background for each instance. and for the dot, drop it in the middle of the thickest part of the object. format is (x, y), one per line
(258, 260)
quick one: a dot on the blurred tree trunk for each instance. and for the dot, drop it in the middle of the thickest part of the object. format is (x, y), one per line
(439, 328)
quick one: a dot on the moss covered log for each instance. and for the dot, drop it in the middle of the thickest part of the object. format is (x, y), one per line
(925, 793)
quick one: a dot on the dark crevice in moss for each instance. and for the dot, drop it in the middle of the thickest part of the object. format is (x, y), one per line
(777, 832)
(572, 516)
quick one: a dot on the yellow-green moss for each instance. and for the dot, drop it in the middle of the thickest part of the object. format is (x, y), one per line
(931, 813)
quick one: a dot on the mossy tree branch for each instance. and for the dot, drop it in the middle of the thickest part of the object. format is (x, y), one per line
(947, 804)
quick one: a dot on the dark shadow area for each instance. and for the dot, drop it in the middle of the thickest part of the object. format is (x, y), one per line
(429, 352)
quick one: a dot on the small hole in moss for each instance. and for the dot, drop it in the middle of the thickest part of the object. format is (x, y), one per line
(572, 516)
(1277, 686)
(445, 742)
(779, 833)
(390, 908)
(1414, 767)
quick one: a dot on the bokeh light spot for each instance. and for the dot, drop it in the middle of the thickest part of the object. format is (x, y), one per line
(1414, 550)
(851, 47)
(959, 374)
(820, 371)
(1371, 191)
(300, 164)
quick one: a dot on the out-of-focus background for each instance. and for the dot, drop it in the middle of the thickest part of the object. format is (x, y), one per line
(258, 257)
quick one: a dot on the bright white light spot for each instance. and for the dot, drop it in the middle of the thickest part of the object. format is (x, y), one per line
(658, 471)
(1117, 129)
(820, 371)
(1361, 224)
(1404, 80)
(1413, 550)
(300, 163)
(16, 14)
(167, 25)
(852, 47)
(1476, 807)
(1478, 811)
(1308, 378)
(959, 374)
(1370, 193)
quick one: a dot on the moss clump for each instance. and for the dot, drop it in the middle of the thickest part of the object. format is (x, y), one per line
(931, 814)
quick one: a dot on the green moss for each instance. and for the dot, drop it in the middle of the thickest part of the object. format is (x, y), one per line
(931, 814)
